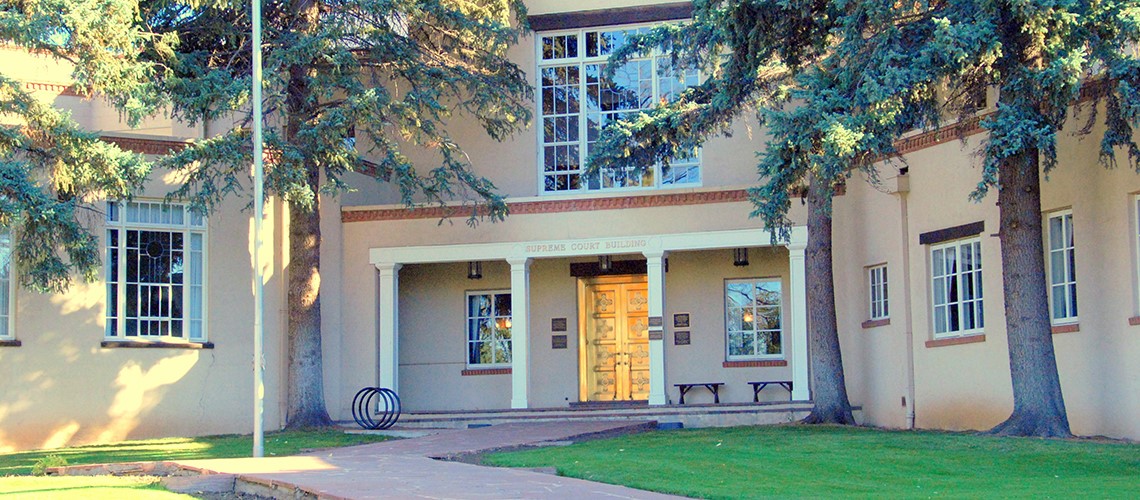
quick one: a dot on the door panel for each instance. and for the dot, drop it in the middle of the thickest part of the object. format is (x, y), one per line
(615, 340)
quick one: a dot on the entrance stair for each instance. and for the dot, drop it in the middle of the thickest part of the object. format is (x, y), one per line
(690, 415)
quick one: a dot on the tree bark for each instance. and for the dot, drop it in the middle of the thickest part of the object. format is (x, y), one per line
(305, 406)
(1038, 405)
(829, 388)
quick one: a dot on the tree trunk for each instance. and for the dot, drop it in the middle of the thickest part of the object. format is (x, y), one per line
(1038, 406)
(306, 399)
(829, 389)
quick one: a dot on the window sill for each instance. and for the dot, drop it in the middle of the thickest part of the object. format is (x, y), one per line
(10, 343)
(486, 371)
(1067, 328)
(754, 364)
(968, 339)
(1134, 321)
(128, 344)
(875, 323)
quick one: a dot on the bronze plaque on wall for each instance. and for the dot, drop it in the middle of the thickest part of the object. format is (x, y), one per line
(681, 337)
(655, 321)
(656, 335)
(558, 324)
(681, 320)
(558, 342)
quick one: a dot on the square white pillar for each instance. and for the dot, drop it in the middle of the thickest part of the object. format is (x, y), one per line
(520, 330)
(389, 324)
(801, 385)
(655, 269)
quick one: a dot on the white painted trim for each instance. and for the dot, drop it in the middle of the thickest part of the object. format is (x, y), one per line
(957, 245)
(1055, 321)
(783, 321)
(797, 266)
(12, 288)
(388, 276)
(467, 325)
(520, 331)
(655, 271)
(885, 298)
(709, 240)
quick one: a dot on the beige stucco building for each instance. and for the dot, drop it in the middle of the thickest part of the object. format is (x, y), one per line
(617, 289)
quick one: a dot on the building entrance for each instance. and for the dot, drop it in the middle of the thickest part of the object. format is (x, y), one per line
(613, 345)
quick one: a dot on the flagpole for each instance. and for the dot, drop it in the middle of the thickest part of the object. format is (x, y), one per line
(258, 216)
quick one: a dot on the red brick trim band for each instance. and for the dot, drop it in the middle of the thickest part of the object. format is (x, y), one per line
(57, 88)
(1134, 321)
(875, 323)
(145, 146)
(1069, 328)
(128, 344)
(608, 17)
(10, 343)
(554, 206)
(487, 371)
(754, 364)
(969, 339)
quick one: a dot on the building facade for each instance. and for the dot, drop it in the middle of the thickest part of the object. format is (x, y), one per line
(613, 289)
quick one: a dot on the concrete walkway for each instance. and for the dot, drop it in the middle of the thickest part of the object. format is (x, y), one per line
(409, 468)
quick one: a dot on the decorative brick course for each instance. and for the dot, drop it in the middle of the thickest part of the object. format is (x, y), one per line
(754, 364)
(969, 339)
(487, 371)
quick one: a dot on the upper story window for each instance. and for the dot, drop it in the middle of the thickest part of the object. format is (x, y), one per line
(1062, 267)
(956, 286)
(754, 319)
(576, 102)
(156, 256)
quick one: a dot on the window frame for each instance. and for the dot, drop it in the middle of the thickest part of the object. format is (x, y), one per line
(782, 355)
(960, 303)
(582, 60)
(884, 288)
(1070, 258)
(187, 228)
(467, 338)
(10, 319)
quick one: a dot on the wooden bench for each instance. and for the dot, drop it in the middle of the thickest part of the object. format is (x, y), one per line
(759, 386)
(713, 387)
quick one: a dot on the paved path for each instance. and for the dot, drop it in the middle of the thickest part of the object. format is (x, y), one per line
(406, 468)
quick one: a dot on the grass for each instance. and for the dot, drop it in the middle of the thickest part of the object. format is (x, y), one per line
(84, 488)
(229, 446)
(823, 461)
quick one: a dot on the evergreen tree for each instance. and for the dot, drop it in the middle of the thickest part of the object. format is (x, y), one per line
(753, 54)
(51, 171)
(350, 86)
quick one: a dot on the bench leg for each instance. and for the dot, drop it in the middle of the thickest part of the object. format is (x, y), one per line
(716, 393)
(683, 391)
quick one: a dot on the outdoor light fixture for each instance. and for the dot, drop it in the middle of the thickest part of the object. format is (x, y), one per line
(740, 257)
(605, 263)
(474, 270)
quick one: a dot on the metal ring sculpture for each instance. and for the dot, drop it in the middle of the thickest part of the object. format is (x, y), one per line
(384, 401)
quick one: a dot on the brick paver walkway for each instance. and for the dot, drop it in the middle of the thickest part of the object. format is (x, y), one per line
(406, 468)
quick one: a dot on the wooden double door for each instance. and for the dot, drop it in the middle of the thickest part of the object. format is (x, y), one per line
(614, 338)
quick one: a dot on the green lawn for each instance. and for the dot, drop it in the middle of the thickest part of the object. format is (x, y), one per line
(829, 461)
(85, 488)
(231, 446)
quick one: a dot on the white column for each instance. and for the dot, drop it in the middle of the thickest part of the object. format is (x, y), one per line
(520, 330)
(801, 388)
(389, 319)
(655, 268)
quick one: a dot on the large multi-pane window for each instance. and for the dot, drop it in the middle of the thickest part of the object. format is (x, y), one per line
(753, 317)
(956, 286)
(576, 101)
(155, 272)
(488, 329)
(877, 281)
(1062, 268)
(6, 291)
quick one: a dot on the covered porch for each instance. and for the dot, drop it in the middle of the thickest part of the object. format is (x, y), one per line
(534, 331)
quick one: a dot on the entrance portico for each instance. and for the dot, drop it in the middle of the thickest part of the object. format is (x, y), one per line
(655, 249)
